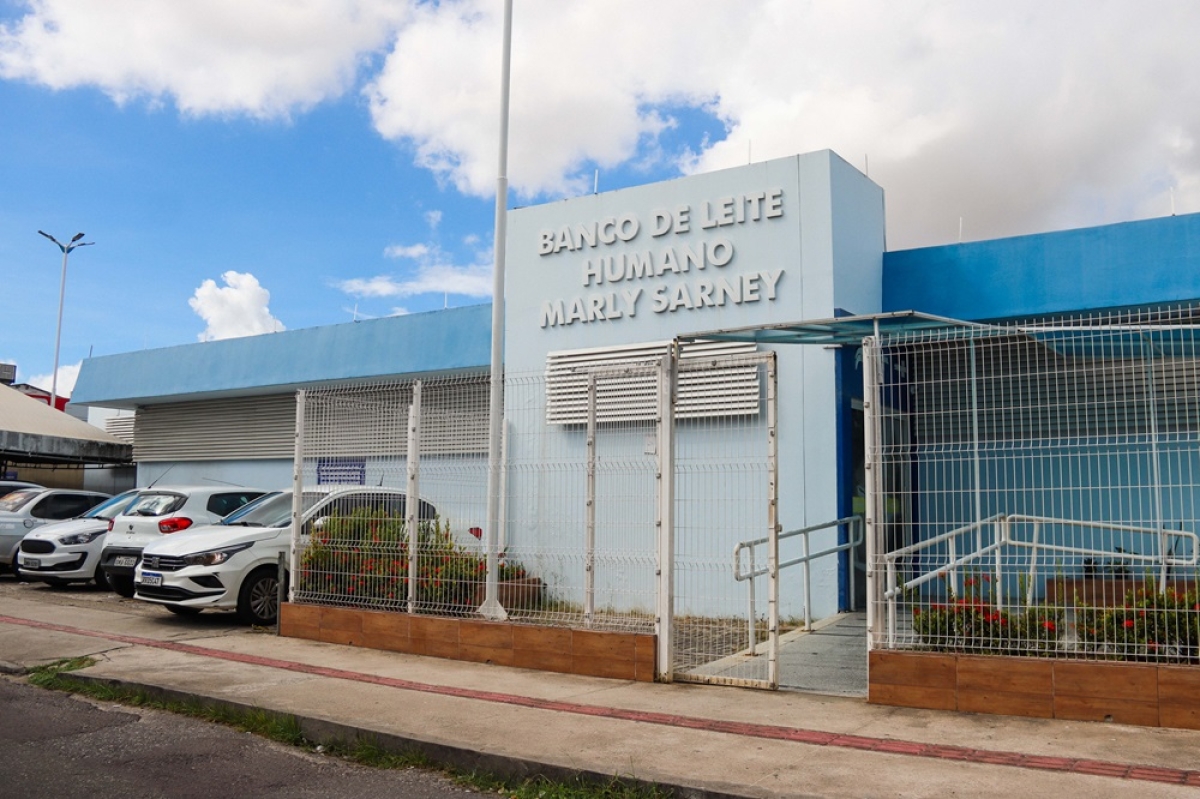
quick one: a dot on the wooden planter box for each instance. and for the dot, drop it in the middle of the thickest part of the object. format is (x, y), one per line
(1148, 695)
(624, 656)
(1106, 591)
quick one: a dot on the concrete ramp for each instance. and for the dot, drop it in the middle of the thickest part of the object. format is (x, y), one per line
(831, 659)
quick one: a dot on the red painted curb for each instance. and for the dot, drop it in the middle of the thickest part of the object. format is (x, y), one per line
(894, 746)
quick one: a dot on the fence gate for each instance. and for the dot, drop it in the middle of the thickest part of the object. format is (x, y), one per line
(718, 487)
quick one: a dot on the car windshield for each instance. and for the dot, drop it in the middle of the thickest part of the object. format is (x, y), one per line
(16, 500)
(111, 508)
(272, 510)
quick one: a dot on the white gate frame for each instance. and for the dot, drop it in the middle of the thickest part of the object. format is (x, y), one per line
(668, 383)
(872, 365)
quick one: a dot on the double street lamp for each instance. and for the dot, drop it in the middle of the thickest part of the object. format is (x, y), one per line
(62, 288)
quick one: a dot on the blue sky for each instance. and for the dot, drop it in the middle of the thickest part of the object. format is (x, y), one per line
(244, 168)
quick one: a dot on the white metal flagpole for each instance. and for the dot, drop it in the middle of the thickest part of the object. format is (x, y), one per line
(491, 608)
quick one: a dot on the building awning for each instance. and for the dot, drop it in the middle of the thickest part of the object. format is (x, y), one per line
(33, 433)
(837, 331)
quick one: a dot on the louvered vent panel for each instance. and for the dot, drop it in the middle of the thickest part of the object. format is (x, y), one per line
(120, 427)
(627, 384)
(246, 427)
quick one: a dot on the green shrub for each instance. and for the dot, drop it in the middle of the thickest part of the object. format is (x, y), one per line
(361, 559)
(1150, 625)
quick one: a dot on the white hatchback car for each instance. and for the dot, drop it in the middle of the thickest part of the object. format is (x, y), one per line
(160, 511)
(69, 552)
(234, 565)
(26, 508)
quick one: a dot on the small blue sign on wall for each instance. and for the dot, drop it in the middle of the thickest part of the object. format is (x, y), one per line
(341, 471)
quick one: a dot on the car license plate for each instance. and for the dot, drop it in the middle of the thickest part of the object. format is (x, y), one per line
(32, 563)
(149, 578)
(125, 560)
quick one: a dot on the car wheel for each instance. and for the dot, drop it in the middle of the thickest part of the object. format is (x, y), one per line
(258, 601)
(100, 579)
(15, 568)
(182, 610)
(122, 585)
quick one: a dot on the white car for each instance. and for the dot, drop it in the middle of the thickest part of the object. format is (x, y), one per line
(235, 565)
(161, 511)
(69, 552)
(26, 508)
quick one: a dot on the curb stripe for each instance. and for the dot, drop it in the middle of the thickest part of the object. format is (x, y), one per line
(895, 746)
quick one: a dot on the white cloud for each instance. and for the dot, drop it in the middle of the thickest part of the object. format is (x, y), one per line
(239, 308)
(1015, 116)
(265, 58)
(414, 251)
(470, 281)
(433, 219)
(67, 375)
(433, 274)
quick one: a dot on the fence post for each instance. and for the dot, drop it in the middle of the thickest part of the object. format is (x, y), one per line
(773, 526)
(297, 491)
(589, 577)
(280, 583)
(871, 526)
(665, 573)
(412, 502)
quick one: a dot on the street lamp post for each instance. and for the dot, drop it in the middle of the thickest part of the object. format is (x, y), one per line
(62, 290)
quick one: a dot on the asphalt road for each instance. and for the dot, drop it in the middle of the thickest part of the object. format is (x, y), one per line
(58, 746)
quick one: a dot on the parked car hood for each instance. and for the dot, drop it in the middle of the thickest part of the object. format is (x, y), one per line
(212, 536)
(69, 527)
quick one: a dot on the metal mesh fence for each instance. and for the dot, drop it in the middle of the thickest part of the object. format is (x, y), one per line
(1034, 489)
(566, 558)
(362, 451)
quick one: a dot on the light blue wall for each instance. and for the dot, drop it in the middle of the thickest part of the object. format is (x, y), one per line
(436, 342)
(271, 475)
(1128, 264)
(829, 242)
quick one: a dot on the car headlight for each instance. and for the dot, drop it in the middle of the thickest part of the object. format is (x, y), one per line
(214, 557)
(80, 538)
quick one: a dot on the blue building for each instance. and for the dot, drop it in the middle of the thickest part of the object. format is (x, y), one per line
(606, 283)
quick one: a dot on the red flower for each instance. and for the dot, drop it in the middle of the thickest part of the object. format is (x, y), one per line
(1049, 625)
(916, 611)
(1128, 623)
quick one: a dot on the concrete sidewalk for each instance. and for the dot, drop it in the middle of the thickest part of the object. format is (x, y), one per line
(706, 741)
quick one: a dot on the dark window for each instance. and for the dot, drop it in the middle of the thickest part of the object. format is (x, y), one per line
(64, 506)
(225, 504)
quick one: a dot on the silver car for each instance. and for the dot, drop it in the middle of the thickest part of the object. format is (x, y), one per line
(26, 508)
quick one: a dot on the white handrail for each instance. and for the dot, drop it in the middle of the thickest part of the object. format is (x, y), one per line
(855, 538)
(1004, 537)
